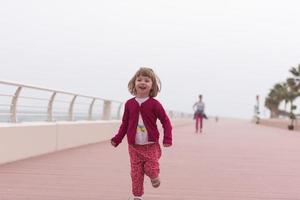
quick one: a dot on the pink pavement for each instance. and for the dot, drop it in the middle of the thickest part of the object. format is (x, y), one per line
(230, 160)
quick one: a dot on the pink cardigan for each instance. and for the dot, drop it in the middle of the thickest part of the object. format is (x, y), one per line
(150, 110)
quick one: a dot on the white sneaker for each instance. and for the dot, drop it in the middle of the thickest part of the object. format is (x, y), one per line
(136, 198)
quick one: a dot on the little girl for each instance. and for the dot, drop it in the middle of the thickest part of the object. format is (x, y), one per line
(139, 124)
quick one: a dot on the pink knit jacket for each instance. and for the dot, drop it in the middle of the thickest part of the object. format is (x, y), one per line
(150, 110)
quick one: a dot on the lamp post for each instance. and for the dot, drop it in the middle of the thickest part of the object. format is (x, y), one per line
(256, 110)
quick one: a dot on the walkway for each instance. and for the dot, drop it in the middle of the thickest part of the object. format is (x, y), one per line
(232, 160)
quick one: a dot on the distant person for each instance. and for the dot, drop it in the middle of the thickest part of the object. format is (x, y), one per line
(139, 124)
(199, 114)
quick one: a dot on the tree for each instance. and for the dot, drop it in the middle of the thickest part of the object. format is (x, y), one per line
(293, 88)
(274, 99)
(287, 91)
(295, 71)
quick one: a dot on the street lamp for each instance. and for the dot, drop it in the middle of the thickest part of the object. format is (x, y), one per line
(256, 110)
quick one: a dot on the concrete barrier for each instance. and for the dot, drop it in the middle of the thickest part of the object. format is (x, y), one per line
(279, 123)
(20, 141)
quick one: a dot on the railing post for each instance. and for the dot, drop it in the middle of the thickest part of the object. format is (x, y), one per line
(50, 107)
(171, 114)
(106, 110)
(90, 117)
(13, 106)
(119, 111)
(71, 117)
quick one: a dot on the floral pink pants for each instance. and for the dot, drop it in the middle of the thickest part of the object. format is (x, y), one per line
(199, 120)
(143, 160)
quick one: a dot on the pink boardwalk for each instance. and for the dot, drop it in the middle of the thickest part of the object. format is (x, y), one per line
(232, 160)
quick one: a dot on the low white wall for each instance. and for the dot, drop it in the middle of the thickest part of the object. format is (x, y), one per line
(19, 141)
(280, 123)
(77, 134)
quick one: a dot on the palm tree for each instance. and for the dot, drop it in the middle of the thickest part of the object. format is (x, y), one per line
(293, 93)
(282, 91)
(287, 92)
(295, 71)
(272, 104)
(273, 100)
(294, 85)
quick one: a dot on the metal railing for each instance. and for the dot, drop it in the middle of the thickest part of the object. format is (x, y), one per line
(21, 103)
(25, 103)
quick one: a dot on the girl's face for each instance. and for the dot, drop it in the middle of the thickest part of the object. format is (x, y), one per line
(143, 86)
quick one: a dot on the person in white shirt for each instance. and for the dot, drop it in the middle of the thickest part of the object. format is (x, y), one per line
(199, 108)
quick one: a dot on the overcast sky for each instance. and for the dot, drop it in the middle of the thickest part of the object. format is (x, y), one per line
(227, 50)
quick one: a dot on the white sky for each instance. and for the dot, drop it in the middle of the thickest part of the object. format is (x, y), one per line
(227, 50)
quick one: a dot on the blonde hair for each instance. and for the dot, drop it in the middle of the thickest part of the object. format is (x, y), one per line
(148, 72)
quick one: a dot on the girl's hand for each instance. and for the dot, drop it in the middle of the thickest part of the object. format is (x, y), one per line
(167, 145)
(113, 143)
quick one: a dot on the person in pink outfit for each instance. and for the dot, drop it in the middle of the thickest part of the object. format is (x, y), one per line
(139, 125)
(199, 114)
